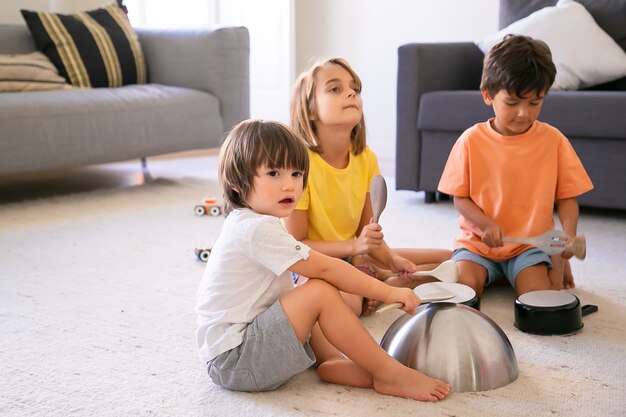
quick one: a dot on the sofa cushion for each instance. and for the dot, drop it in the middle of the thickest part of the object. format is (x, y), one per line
(609, 14)
(583, 53)
(28, 72)
(97, 48)
(593, 114)
(91, 126)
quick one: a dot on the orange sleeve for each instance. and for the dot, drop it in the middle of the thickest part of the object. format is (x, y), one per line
(455, 179)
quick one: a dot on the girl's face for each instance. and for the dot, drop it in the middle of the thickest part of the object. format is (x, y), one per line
(337, 98)
(275, 191)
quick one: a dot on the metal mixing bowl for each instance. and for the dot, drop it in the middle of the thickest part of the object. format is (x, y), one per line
(454, 343)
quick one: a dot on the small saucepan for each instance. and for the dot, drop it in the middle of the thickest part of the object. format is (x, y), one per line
(550, 312)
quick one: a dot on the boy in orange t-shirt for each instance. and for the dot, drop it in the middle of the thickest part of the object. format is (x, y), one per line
(505, 175)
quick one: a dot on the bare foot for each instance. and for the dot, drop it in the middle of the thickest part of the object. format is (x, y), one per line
(409, 383)
(369, 306)
(345, 372)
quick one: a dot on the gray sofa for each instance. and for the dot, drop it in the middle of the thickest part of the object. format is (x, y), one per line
(199, 87)
(438, 98)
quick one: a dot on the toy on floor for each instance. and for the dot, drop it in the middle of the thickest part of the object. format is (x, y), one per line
(202, 253)
(209, 205)
(454, 343)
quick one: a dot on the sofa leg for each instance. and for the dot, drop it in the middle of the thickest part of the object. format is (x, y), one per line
(443, 196)
(147, 177)
(430, 197)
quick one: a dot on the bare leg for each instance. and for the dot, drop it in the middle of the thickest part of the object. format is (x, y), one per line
(319, 302)
(556, 274)
(424, 259)
(424, 256)
(333, 366)
(355, 302)
(472, 275)
(568, 277)
(534, 278)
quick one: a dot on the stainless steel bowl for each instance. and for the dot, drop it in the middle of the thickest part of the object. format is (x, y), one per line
(454, 343)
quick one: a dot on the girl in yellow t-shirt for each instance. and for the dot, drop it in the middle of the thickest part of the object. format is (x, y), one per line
(334, 215)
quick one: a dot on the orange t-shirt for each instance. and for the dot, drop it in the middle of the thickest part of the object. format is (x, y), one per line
(515, 180)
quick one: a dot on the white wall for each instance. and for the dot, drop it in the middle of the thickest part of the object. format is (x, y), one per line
(368, 33)
(10, 9)
(365, 32)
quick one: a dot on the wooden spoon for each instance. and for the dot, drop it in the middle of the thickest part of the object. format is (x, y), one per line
(378, 195)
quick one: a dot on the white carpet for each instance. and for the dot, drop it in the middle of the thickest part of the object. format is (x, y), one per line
(97, 294)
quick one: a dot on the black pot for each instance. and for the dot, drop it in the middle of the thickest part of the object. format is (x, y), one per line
(550, 312)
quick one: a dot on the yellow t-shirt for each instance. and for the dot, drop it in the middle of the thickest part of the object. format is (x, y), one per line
(514, 180)
(334, 198)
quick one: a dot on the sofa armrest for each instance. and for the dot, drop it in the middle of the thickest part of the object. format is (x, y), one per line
(424, 67)
(215, 60)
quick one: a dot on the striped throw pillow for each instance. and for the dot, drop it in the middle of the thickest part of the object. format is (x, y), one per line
(97, 48)
(28, 72)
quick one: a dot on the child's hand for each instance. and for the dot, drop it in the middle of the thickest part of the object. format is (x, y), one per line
(568, 253)
(371, 238)
(410, 301)
(492, 235)
(403, 268)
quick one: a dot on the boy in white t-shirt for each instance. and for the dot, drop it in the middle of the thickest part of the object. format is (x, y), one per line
(255, 330)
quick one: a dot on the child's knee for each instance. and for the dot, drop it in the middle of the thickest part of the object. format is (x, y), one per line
(319, 290)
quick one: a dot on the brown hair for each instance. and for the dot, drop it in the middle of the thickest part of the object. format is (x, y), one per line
(303, 107)
(520, 65)
(251, 144)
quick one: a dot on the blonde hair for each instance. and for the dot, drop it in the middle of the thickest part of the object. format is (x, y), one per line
(251, 144)
(303, 107)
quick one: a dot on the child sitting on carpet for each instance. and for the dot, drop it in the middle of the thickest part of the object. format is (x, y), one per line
(505, 175)
(253, 325)
(334, 215)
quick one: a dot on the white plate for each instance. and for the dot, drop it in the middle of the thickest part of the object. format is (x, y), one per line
(462, 292)
(547, 298)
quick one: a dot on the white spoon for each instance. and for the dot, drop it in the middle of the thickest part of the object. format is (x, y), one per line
(553, 242)
(437, 296)
(447, 271)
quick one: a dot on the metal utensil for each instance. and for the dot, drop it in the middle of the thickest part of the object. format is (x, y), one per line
(378, 195)
(454, 343)
(438, 296)
(553, 242)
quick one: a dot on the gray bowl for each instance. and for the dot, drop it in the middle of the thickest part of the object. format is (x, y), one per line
(454, 343)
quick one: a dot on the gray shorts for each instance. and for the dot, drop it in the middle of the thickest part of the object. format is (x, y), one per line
(269, 355)
(509, 268)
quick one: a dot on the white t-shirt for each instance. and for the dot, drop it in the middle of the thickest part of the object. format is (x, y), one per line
(246, 273)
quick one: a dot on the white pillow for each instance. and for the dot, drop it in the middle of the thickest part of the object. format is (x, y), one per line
(584, 55)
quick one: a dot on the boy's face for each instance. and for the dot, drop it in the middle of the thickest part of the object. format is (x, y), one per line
(514, 115)
(275, 191)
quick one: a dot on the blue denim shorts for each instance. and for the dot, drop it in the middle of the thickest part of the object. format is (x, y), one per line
(509, 268)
